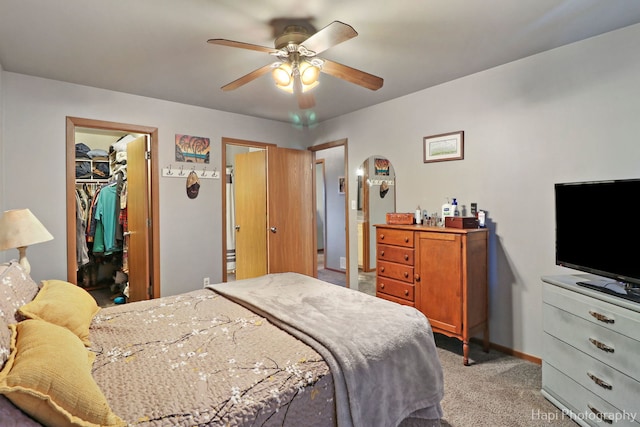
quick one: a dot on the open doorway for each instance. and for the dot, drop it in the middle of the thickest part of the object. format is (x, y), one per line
(283, 217)
(232, 149)
(332, 195)
(139, 170)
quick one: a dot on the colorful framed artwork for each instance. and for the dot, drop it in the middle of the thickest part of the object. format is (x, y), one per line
(381, 166)
(192, 149)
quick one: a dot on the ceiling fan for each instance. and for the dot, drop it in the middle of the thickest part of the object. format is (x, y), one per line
(297, 67)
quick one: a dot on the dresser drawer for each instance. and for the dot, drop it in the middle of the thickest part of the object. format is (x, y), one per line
(400, 254)
(396, 288)
(394, 237)
(586, 406)
(395, 271)
(395, 299)
(600, 379)
(609, 316)
(612, 348)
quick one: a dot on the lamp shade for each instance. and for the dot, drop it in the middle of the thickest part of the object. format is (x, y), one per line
(20, 228)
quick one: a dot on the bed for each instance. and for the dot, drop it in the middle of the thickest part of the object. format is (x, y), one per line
(278, 350)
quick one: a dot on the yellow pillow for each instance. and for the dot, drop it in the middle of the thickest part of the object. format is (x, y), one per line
(48, 376)
(63, 304)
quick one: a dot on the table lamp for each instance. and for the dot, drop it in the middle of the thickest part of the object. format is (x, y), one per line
(19, 228)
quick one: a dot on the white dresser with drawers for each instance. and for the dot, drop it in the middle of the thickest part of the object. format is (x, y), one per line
(591, 353)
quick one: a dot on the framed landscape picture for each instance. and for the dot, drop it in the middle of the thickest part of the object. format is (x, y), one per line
(446, 146)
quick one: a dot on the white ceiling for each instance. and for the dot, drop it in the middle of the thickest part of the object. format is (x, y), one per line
(158, 48)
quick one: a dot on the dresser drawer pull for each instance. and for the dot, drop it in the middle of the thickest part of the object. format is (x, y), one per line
(406, 240)
(600, 382)
(381, 269)
(406, 293)
(601, 346)
(406, 257)
(381, 285)
(405, 274)
(601, 317)
(382, 237)
(600, 415)
(381, 253)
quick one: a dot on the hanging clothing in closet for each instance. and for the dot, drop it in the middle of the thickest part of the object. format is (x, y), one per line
(102, 218)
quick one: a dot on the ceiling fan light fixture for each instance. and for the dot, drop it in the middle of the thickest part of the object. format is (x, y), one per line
(309, 73)
(282, 75)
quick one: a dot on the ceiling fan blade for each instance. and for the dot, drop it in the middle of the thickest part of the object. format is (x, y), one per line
(352, 75)
(331, 35)
(247, 78)
(306, 100)
(242, 45)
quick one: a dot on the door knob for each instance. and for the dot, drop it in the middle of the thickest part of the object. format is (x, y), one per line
(237, 228)
(273, 229)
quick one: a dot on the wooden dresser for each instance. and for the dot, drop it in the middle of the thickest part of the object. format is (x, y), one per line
(440, 271)
(591, 353)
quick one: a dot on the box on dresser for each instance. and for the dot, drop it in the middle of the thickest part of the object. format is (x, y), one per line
(400, 218)
(464, 222)
(591, 345)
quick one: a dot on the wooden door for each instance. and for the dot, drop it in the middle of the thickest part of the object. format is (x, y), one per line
(291, 243)
(138, 220)
(251, 214)
(439, 266)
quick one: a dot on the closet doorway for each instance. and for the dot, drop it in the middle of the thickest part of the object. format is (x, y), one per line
(267, 210)
(142, 235)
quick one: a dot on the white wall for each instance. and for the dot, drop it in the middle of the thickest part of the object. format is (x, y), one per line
(34, 173)
(570, 114)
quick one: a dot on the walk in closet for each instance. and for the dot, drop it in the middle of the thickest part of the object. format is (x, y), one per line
(101, 208)
(109, 210)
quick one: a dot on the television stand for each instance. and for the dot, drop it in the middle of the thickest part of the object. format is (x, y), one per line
(590, 343)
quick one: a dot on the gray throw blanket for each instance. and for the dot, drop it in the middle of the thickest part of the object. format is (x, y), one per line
(382, 355)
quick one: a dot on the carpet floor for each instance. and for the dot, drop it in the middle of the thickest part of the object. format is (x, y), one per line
(496, 390)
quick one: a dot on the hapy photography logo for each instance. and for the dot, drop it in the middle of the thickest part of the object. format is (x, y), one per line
(609, 417)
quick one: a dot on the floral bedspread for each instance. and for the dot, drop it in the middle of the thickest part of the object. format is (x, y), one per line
(198, 359)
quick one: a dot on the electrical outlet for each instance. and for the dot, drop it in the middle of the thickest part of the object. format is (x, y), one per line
(205, 281)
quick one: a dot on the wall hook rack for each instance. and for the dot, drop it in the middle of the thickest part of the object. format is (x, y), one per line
(202, 173)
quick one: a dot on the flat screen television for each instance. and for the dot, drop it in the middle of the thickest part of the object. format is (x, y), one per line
(597, 231)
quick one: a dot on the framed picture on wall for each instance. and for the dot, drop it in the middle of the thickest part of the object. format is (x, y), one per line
(341, 184)
(381, 166)
(442, 147)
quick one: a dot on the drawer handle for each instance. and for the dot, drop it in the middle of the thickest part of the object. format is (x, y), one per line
(601, 317)
(381, 253)
(381, 269)
(406, 293)
(599, 381)
(601, 346)
(600, 415)
(406, 240)
(381, 285)
(417, 277)
(382, 237)
(406, 257)
(405, 274)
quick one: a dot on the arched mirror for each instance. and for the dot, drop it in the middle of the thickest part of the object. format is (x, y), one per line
(376, 196)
